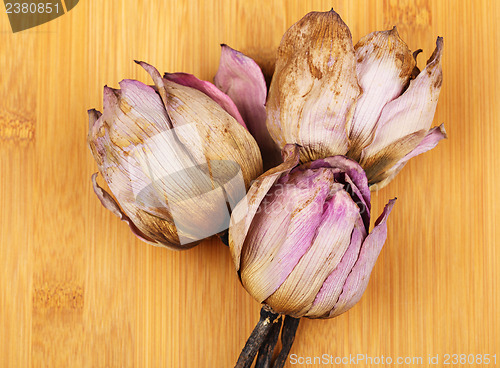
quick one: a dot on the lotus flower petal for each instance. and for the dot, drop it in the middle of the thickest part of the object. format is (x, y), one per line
(108, 202)
(405, 120)
(351, 168)
(357, 280)
(112, 137)
(188, 106)
(172, 158)
(332, 238)
(430, 141)
(314, 86)
(384, 67)
(296, 212)
(241, 79)
(332, 287)
(210, 90)
(243, 214)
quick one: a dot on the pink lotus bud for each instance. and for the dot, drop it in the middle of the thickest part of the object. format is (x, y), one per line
(368, 101)
(174, 158)
(300, 239)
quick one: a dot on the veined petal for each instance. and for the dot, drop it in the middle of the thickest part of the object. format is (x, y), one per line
(314, 86)
(429, 142)
(210, 90)
(243, 214)
(108, 202)
(242, 80)
(384, 67)
(119, 130)
(405, 120)
(218, 135)
(332, 238)
(283, 230)
(332, 287)
(357, 280)
(351, 168)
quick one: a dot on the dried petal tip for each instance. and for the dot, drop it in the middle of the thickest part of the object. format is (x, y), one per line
(438, 51)
(94, 115)
(416, 53)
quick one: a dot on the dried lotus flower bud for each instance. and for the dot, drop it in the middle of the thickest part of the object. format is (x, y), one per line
(368, 101)
(174, 158)
(300, 239)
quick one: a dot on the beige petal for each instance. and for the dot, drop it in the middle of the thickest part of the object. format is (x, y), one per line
(384, 65)
(405, 120)
(169, 238)
(314, 86)
(430, 141)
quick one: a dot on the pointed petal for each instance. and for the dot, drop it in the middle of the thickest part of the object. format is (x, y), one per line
(351, 168)
(219, 136)
(384, 66)
(314, 87)
(405, 120)
(242, 79)
(243, 214)
(332, 287)
(332, 238)
(109, 203)
(210, 90)
(429, 142)
(357, 280)
(157, 80)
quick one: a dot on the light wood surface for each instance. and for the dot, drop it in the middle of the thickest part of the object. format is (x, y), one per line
(77, 289)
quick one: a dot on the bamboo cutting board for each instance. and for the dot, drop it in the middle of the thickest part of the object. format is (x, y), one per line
(77, 289)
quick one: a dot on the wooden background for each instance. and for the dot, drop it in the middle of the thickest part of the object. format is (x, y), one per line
(77, 289)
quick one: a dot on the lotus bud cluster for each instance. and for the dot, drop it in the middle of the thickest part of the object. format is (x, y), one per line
(300, 239)
(368, 101)
(174, 156)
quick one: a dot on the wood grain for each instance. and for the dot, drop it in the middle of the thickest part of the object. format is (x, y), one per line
(77, 289)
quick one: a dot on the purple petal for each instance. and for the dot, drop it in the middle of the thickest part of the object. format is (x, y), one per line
(283, 230)
(357, 197)
(332, 238)
(357, 280)
(242, 80)
(332, 287)
(243, 214)
(210, 90)
(157, 80)
(205, 129)
(429, 142)
(351, 168)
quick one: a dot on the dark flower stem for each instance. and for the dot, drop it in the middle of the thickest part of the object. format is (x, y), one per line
(290, 326)
(267, 320)
(267, 348)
